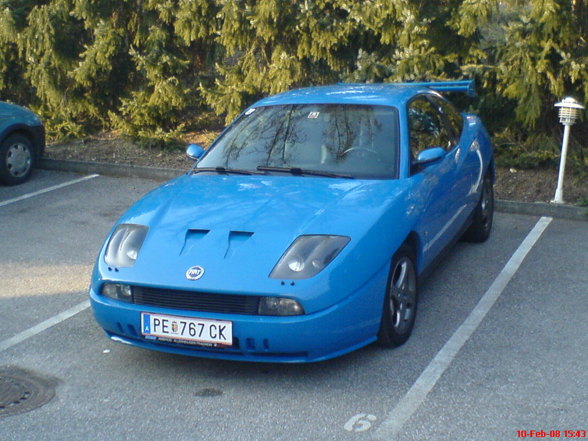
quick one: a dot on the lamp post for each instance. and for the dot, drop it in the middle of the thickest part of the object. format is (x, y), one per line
(569, 112)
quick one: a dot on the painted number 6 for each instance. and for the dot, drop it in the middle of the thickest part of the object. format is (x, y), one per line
(360, 422)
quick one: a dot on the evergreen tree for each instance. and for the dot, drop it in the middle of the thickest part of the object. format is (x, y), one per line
(149, 54)
(133, 65)
(534, 52)
(45, 41)
(272, 45)
(144, 66)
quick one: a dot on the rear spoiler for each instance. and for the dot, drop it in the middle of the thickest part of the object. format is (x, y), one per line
(467, 86)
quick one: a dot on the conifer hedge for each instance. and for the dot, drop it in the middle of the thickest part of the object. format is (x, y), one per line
(147, 67)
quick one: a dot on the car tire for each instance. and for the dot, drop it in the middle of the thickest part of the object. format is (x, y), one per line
(400, 302)
(17, 158)
(481, 225)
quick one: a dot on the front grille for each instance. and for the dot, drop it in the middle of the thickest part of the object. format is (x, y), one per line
(196, 301)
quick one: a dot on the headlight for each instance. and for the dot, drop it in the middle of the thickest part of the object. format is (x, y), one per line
(124, 245)
(279, 306)
(308, 256)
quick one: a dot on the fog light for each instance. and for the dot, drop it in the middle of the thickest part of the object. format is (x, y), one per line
(118, 291)
(279, 306)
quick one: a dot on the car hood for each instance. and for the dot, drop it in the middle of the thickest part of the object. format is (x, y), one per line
(237, 228)
(255, 203)
(11, 110)
(12, 115)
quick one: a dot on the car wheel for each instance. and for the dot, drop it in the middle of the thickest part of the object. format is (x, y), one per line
(481, 226)
(17, 157)
(400, 304)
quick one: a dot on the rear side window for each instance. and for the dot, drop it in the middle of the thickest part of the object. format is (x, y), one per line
(454, 118)
(427, 127)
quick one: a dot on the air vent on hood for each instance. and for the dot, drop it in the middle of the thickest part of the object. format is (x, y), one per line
(192, 237)
(236, 239)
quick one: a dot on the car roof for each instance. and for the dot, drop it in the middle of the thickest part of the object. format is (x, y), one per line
(383, 94)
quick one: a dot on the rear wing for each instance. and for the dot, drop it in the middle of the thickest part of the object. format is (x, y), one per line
(466, 86)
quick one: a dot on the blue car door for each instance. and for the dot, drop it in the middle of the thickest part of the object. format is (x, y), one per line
(469, 161)
(441, 188)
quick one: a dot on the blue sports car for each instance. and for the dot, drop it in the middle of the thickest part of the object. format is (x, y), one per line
(303, 232)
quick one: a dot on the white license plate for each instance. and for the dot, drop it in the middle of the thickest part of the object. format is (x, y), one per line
(187, 329)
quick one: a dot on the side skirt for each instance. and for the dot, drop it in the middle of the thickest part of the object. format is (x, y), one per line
(427, 271)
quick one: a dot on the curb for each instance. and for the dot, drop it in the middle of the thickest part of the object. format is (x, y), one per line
(163, 174)
(561, 211)
(118, 170)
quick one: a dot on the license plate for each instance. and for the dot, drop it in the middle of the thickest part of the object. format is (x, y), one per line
(187, 329)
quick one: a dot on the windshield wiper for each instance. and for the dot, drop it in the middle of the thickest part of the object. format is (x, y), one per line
(302, 171)
(222, 170)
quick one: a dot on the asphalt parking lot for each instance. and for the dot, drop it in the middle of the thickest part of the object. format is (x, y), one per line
(499, 350)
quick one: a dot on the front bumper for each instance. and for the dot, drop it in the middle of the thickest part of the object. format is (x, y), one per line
(339, 329)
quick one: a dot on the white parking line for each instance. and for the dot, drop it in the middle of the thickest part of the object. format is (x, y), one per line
(409, 404)
(46, 190)
(37, 329)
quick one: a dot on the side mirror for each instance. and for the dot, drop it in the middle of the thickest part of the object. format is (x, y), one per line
(194, 151)
(430, 156)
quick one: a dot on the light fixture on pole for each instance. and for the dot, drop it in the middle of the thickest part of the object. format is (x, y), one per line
(569, 112)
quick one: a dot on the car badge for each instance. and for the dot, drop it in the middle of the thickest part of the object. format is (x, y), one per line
(194, 273)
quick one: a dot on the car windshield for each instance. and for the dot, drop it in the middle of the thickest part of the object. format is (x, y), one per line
(356, 141)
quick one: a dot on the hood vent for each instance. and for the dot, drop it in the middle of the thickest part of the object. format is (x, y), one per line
(192, 238)
(236, 239)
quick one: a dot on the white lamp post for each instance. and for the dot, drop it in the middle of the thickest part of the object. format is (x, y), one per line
(569, 112)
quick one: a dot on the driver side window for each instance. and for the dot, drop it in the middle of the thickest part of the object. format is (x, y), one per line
(426, 127)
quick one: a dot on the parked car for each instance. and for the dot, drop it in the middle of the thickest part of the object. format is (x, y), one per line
(304, 231)
(22, 143)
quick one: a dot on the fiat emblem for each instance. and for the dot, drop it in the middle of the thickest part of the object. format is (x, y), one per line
(194, 273)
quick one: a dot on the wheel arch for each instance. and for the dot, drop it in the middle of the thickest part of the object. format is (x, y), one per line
(17, 130)
(414, 242)
(36, 137)
(491, 170)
